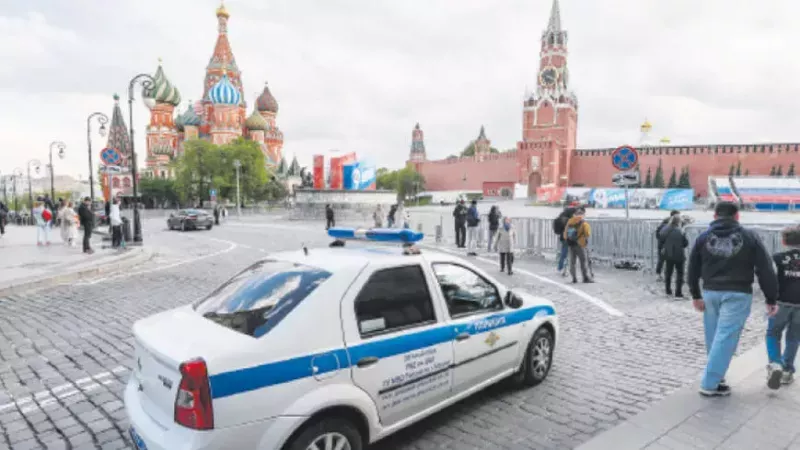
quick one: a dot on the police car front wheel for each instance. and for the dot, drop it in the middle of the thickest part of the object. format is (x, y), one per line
(327, 434)
(538, 359)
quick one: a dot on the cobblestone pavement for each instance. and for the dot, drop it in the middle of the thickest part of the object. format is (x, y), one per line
(65, 352)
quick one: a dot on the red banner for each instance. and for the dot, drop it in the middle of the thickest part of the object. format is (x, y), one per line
(550, 194)
(319, 172)
(337, 167)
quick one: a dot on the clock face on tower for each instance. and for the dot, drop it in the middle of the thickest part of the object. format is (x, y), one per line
(548, 76)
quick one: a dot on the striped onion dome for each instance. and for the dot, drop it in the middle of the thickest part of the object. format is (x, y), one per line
(224, 92)
(266, 101)
(256, 122)
(190, 118)
(162, 90)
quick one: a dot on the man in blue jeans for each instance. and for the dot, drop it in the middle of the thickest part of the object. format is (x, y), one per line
(559, 226)
(726, 257)
(781, 364)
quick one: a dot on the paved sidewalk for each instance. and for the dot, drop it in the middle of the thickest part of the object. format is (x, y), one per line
(24, 265)
(752, 417)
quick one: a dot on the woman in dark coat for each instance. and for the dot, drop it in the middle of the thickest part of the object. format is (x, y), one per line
(673, 249)
(494, 224)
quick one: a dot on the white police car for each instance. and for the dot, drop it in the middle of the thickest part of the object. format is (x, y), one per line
(331, 348)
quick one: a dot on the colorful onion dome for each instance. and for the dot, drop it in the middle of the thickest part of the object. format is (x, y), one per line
(256, 121)
(162, 91)
(224, 92)
(266, 102)
(190, 118)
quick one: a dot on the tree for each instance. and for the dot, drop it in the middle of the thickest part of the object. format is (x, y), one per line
(469, 150)
(772, 171)
(658, 180)
(407, 181)
(282, 166)
(648, 180)
(157, 191)
(685, 181)
(673, 179)
(779, 172)
(738, 169)
(732, 171)
(195, 169)
(790, 172)
(253, 175)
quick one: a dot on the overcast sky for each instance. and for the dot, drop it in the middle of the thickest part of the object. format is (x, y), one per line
(356, 75)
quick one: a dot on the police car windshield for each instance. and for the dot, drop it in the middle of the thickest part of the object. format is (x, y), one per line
(258, 298)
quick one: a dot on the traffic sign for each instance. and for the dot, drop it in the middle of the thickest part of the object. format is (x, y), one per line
(110, 156)
(111, 169)
(626, 178)
(625, 158)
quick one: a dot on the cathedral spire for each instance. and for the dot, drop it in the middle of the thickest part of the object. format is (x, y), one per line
(555, 18)
(118, 137)
(222, 60)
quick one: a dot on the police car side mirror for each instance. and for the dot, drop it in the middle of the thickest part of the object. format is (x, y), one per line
(512, 301)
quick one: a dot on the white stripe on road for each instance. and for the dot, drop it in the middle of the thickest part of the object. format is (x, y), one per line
(593, 300)
(43, 398)
(231, 246)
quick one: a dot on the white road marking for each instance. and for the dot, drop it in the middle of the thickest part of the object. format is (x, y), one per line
(43, 398)
(593, 300)
(231, 246)
(278, 226)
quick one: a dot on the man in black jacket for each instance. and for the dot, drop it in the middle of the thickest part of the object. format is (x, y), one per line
(673, 242)
(660, 254)
(781, 364)
(725, 257)
(559, 226)
(460, 217)
(330, 221)
(86, 217)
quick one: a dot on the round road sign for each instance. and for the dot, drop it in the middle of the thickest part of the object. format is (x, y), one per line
(110, 156)
(625, 158)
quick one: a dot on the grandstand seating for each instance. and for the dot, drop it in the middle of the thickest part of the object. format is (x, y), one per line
(768, 193)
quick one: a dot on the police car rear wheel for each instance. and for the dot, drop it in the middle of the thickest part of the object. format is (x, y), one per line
(538, 359)
(328, 434)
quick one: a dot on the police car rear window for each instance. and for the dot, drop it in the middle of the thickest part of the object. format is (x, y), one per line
(258, 298)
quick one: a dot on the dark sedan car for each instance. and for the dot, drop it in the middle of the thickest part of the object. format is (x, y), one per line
(190, 219)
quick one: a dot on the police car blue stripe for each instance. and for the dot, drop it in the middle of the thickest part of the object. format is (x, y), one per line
(278, 372)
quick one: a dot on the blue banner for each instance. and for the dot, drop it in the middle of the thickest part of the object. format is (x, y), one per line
(680, 199)
(358, 176)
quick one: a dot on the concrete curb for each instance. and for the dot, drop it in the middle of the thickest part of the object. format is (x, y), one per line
(129, 259)
(650, 425)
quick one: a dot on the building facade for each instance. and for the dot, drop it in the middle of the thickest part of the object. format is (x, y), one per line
(220, 116)
(547, 155)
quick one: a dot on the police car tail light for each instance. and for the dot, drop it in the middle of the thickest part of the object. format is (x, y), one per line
(193, 402)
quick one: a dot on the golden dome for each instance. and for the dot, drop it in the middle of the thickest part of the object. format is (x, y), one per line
(665, 140)
(221, 11)
(646, 126)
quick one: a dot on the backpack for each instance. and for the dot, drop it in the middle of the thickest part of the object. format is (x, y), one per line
(559, 223)
(572, 235)
(47, 215)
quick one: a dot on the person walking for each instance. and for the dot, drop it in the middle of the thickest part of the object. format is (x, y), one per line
(673, 241)
(115, 219)
(781, 364)
(494, 225)
(659, 254)
(216, 214)
(71, 217)
(42, 216)
(505, 242)
(402, 216)
(726, 257)
(390, 217)
(86, 218)
(473, 220)
(559, 227)
(576, 235)
(64, 222)
(378, 216)
(460, 218)
(3, 218)
(330, 220)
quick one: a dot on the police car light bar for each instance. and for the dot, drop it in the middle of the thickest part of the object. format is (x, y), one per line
(404, 235)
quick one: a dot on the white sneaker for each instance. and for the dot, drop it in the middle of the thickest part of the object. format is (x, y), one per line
(787, 378)
(774, 375)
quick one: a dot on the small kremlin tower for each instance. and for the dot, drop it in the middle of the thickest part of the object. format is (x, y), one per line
(119, 139)
(417, 145)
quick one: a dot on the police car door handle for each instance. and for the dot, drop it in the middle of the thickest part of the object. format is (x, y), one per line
(463, 336)
(366, 361)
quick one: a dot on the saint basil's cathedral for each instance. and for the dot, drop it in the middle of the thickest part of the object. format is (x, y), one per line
(219, 117)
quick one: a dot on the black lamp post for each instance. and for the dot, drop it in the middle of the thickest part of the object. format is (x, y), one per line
(147, 82)
(102, 119)
(36, 164)
(60, 146)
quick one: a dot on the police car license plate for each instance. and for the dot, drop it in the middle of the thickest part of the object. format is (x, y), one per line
(138, 442)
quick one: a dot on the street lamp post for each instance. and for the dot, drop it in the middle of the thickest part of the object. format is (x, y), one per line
(147, 82)
(102, 119)
(238, 165)
(36, 163)
(60, 146)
